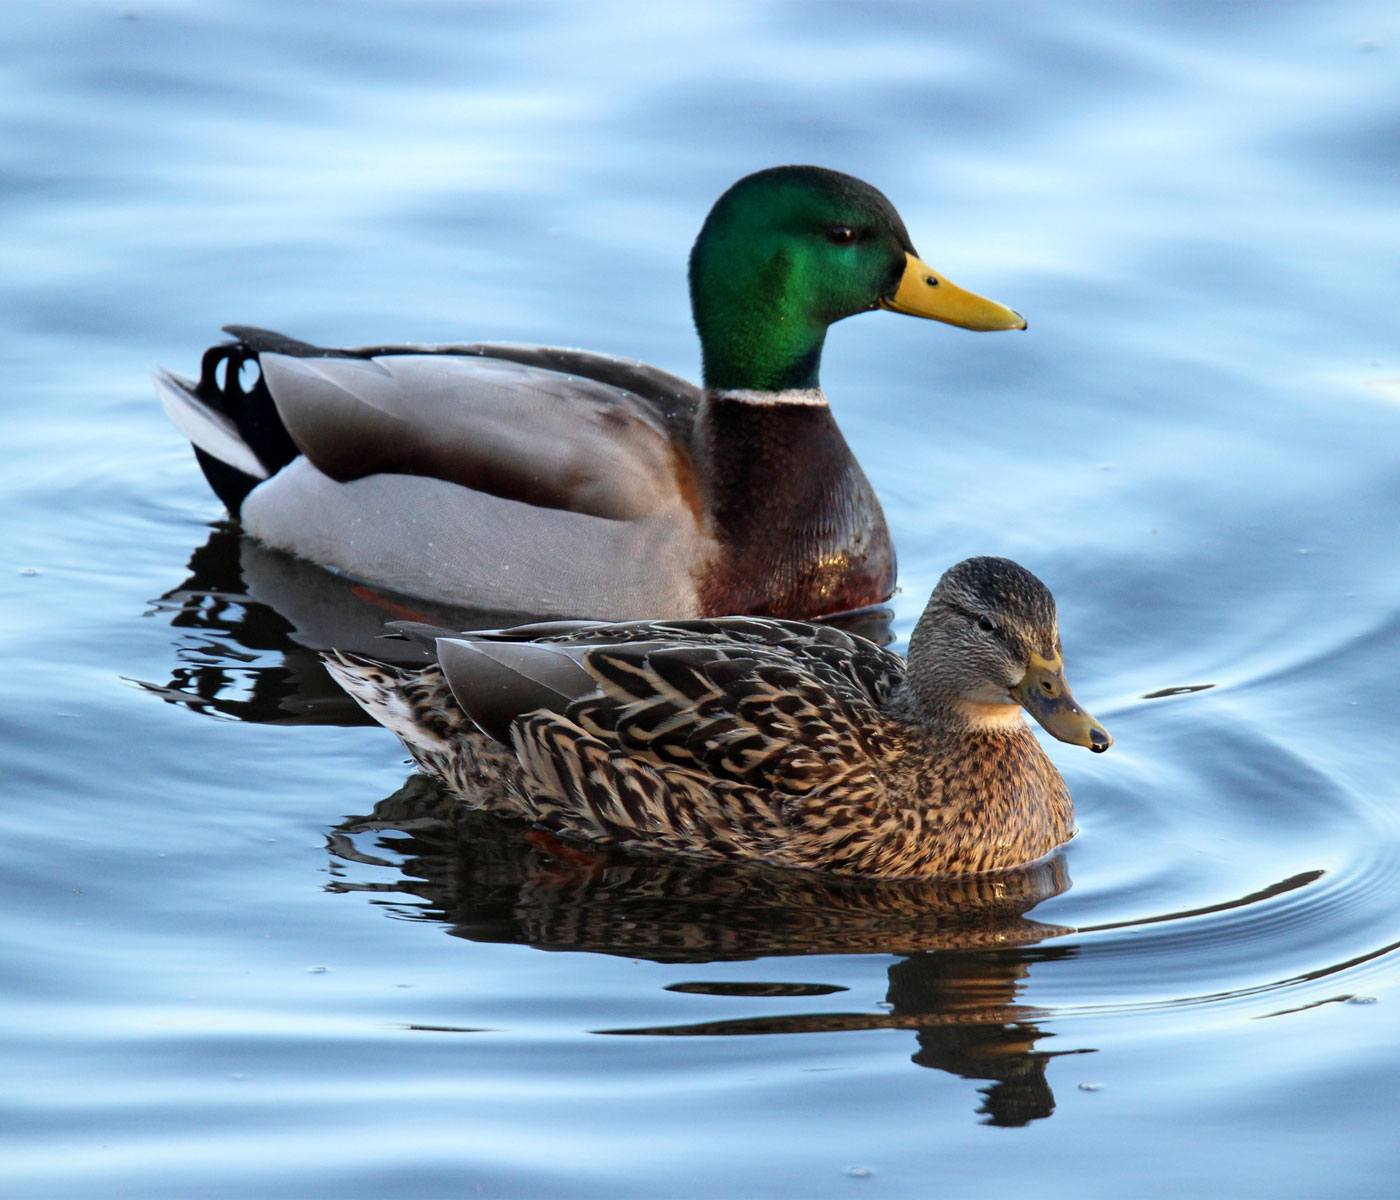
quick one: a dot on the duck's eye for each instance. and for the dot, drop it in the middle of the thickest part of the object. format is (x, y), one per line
(840, 235)
(986, 625)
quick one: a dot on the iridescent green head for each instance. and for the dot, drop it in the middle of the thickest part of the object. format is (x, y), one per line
(787, 251)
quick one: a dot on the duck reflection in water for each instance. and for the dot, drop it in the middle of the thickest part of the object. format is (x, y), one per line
(965, 946)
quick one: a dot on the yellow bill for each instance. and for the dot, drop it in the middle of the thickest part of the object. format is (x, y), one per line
(923, 292)
(1046, 696)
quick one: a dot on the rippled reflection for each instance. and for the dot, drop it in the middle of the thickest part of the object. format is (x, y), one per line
(966, 945)
(494, 880)
(963, 1008)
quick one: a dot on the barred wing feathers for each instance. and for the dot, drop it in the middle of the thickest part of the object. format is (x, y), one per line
(715, 749)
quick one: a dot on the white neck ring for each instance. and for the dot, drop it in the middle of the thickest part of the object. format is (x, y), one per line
(808, 397)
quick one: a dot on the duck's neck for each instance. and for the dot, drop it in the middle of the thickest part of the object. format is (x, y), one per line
(755, 311)
(784, 355)
(799, 530)
(951, 718)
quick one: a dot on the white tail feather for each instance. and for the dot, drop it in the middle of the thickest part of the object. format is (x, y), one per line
(375, 689)
(211, 431)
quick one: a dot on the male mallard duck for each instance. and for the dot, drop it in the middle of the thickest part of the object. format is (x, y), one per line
(765, 740)
(560, 482)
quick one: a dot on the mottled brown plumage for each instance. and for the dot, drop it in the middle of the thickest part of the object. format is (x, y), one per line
(740, 738)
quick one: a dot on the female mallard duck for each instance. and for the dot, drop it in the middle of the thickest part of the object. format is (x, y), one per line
(774, 741)
(529, 479)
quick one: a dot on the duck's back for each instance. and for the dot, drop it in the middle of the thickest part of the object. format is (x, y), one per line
(429, 410)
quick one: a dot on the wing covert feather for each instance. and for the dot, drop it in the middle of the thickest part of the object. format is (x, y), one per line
(513, 430)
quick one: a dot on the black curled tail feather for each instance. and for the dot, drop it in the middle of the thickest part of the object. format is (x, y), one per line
(228, 385)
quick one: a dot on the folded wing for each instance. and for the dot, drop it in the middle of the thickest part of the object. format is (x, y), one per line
(522, 432)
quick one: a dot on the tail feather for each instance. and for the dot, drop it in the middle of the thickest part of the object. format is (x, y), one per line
(238, 434)
(207, 428)
(379, 690)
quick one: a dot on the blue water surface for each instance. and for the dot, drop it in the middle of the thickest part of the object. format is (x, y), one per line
(242, 958)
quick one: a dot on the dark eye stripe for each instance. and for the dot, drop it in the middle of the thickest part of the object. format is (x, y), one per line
(1014, 643)
(982, 622)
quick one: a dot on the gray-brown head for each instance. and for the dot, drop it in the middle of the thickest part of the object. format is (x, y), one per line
(989, 641)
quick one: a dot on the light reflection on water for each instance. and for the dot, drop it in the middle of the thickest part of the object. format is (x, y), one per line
(1194, 445)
